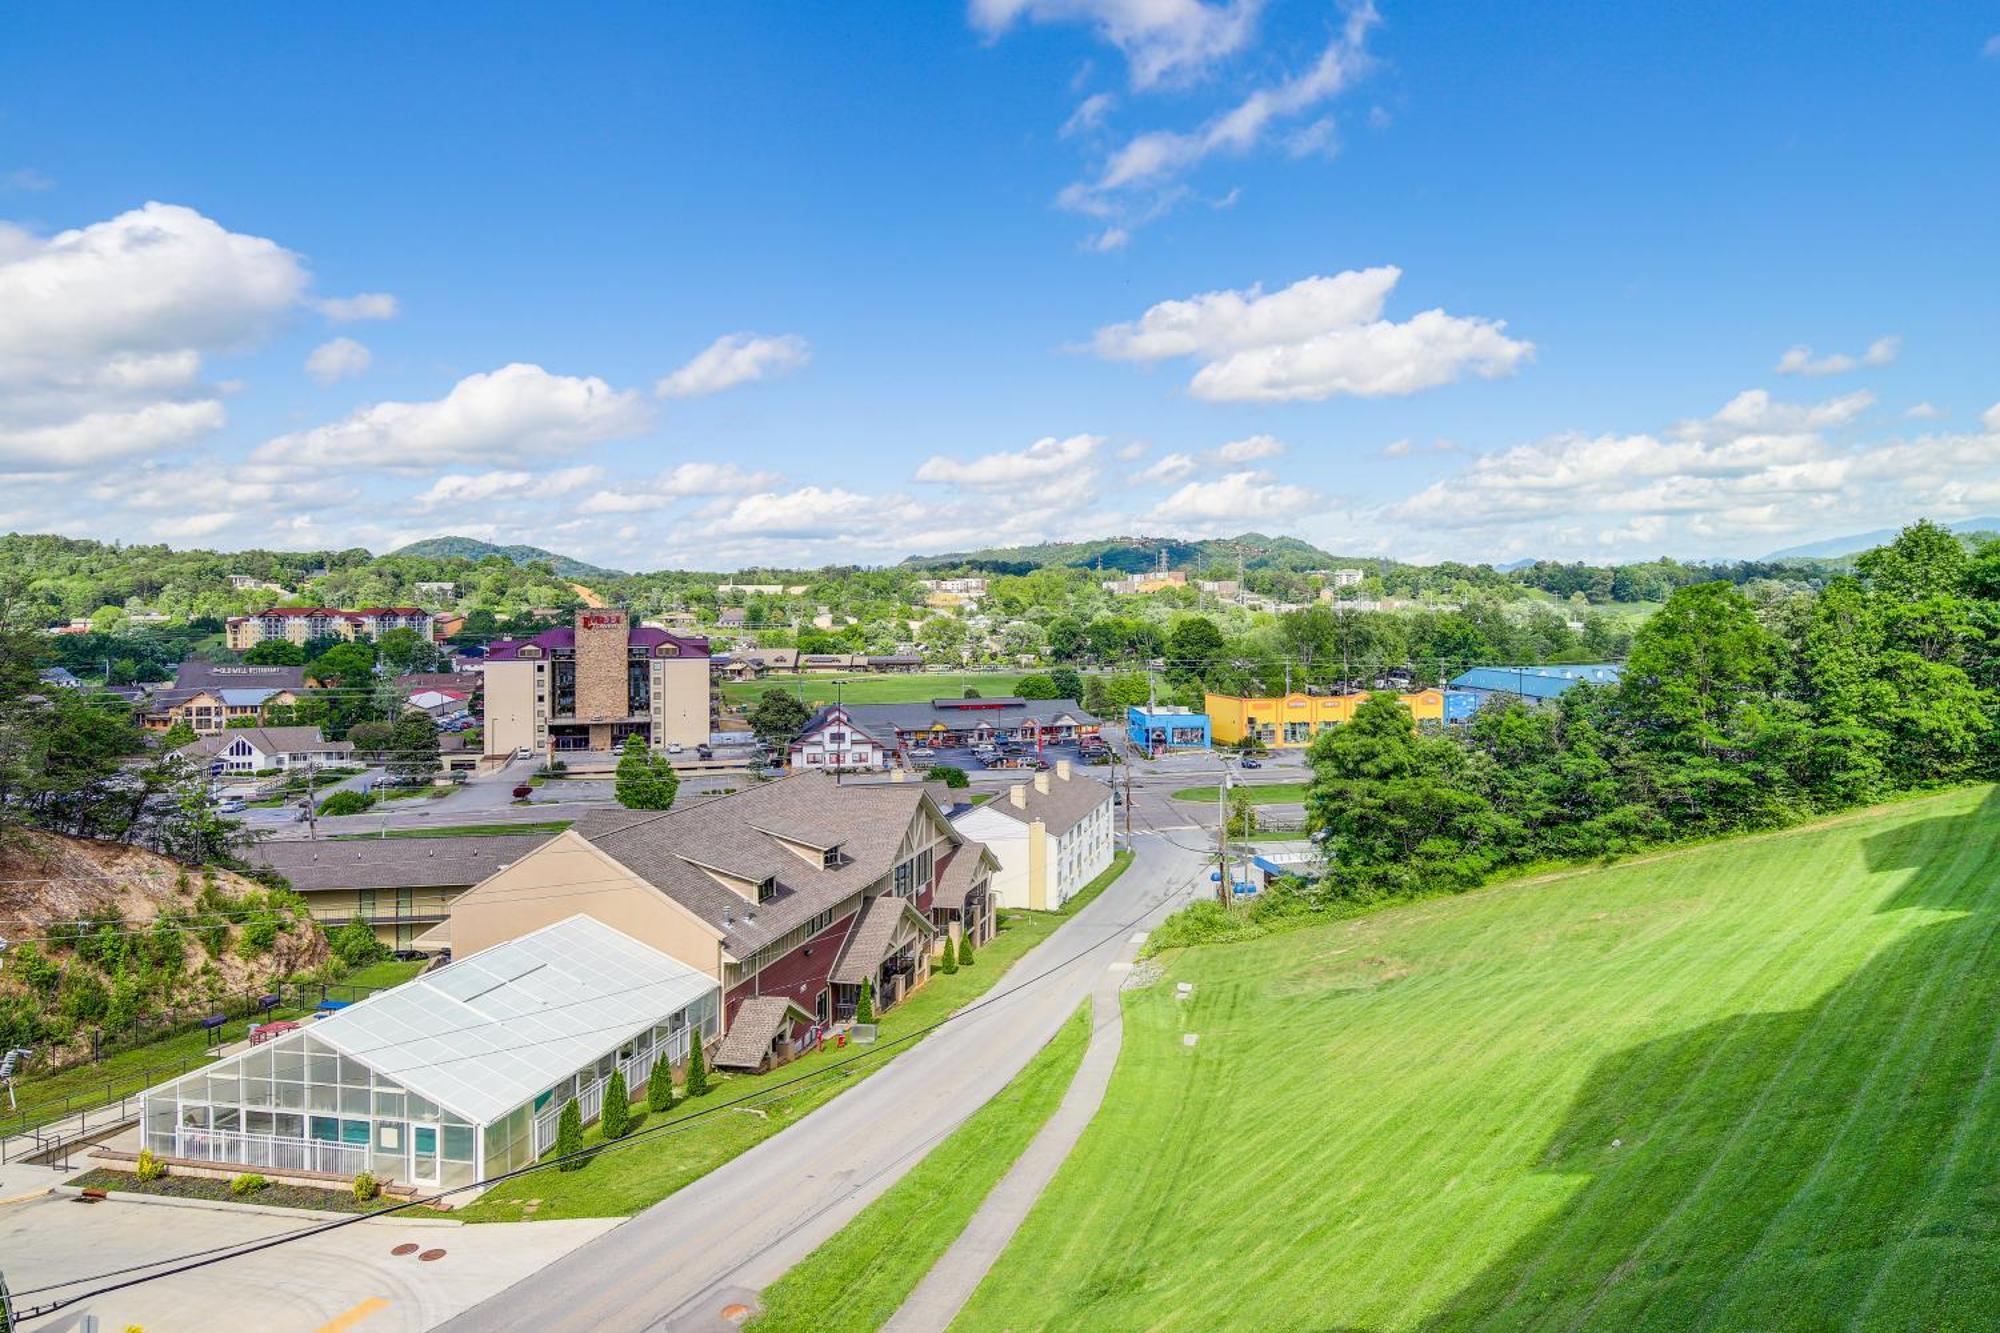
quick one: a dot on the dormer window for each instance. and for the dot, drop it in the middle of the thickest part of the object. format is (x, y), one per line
(831, 859)
(767, 888)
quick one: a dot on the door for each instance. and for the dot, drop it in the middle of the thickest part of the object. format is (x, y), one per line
(424, 1154)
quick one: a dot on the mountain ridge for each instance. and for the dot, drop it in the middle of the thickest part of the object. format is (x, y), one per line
(472, 548)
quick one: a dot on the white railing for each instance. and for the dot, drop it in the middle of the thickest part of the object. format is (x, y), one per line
(590, 1102)
(266, 1150)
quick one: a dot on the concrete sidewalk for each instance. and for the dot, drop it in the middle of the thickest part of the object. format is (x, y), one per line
(960, 1269)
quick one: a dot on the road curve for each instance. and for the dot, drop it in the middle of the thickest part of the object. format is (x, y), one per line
(740, 1227)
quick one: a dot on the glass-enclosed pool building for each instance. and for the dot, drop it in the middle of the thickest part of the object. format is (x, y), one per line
(451, 1078)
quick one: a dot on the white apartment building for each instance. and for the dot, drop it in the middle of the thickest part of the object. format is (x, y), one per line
(1051, 837)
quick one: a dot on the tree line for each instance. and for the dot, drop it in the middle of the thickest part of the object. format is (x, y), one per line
(1735, 712)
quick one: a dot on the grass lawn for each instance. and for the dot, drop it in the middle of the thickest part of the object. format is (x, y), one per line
(885, 689)
(1749, 1085)
(649, 1169)
(459, 830)
(384, 974)
(863, 1274)
(1261, 793)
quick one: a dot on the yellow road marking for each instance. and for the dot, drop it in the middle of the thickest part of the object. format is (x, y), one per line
(354, 1316)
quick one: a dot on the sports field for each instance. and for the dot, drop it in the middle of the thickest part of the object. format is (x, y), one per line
(909, 687)
(1745, 1086)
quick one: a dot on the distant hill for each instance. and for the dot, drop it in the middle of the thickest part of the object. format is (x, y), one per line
(471, 548)
(1834, 547)
(1131, 555)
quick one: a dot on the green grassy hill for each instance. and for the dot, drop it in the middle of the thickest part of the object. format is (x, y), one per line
(1133, 555)
(1748, 1086)
(471, 548)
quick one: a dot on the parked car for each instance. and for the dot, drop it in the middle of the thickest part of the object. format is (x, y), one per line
(1117, 797)
(922, 752)
(408, 955)
(704, 752)
(1251, 763)
(524, 753)
(523, 792)
(675, 747)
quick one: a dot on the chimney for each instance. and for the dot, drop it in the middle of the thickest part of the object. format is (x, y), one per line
(1017, 796)
(1042, 783)
(1062, 769)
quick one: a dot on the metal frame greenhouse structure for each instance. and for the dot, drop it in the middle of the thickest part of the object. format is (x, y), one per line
(451, 1078)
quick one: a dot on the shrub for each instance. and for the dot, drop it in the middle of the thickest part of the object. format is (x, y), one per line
(660, 1088)
(366, 1187)
(347, 802)
(617, 1107)
(950, 775)
(569, 1136)
(355, 944)
(965, 950)
(149, 1168)
(948, 959)
(247, 1184)
(697, 1068)
(864, 1007)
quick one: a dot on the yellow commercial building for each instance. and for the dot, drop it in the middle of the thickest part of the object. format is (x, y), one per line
(1292, 721)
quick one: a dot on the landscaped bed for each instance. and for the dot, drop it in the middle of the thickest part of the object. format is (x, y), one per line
(218, 1191)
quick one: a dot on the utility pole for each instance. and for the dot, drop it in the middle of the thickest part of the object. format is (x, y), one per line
(1224, 890)
(1128, 802)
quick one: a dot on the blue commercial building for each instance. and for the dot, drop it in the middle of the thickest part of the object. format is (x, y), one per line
(1157, 729)
(1460, 705)
(1532, 684)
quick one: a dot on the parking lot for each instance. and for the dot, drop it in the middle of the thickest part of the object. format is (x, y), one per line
(1014, 758)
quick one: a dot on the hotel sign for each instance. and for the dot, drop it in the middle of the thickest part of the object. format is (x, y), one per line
(600, 619)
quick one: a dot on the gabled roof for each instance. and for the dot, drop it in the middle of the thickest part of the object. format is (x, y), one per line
(639, 636)
(486, 1033)
(965, 714)
(844, 716)
(960, 871)
(743, 835)
(750, 1032)
(267, 740)
(868, 943)
(1065, 805)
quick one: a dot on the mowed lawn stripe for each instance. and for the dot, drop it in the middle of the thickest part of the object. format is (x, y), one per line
(1424, 1139)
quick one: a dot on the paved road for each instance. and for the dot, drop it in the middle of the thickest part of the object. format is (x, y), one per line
(739, 1228)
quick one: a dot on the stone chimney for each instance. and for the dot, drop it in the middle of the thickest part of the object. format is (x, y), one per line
(1042, 783)
(1017, 796)
(1062, 769)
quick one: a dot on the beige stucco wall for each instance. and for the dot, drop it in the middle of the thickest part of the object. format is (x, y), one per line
(680, 692)
(566, 876)
(509, 694)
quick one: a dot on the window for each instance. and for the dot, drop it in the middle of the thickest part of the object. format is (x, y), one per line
(819, 922)
(830, 859)
(767, 889)
(903, 878)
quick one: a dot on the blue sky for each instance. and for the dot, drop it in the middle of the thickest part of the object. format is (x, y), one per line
(715, 285)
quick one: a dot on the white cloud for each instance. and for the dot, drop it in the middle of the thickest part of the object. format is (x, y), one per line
(1104, 242)
(1135, 450)
(1252, 449)
(733, 359)
(360, 306)
(1990, 418)
(1235, 497)
(809, 511)
(1089, 114)
(1166, 470)
(519, 411)
(1045, 459)
(158, 279)
(102, 436)
(338, 359)
(682, 482)
(1801, 361)
(1318, 338)
(189, 527)
(1735, 482)
(1137, 179)
(1925, 412)
(1162, 40)
(458, 488)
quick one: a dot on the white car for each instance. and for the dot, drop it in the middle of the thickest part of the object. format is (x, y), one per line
(675, 747)
(524, 753)
(922, 752)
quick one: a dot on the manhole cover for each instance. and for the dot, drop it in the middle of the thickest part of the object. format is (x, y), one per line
(430, 1256)
(736, 1313)
(405, 1248)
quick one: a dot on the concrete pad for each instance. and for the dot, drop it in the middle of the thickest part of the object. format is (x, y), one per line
(304, 1285)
